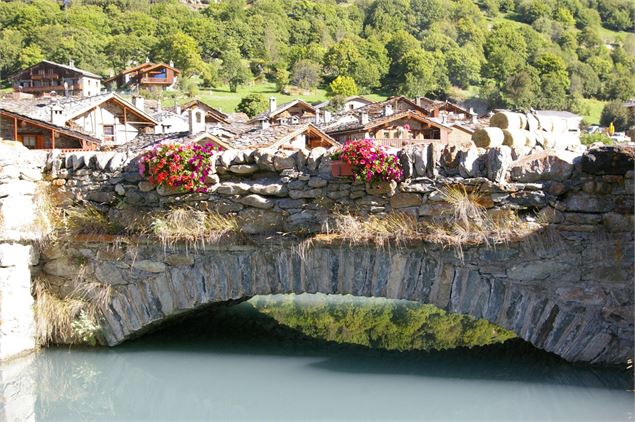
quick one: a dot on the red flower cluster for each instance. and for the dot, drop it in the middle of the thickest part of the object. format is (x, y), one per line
(178, 166)
(370, 162)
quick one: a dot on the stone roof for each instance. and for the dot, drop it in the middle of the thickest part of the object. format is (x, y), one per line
(268, 114)
(261, 138)
(167, 114)
(40, 108)
(355, 124)
(557, 113)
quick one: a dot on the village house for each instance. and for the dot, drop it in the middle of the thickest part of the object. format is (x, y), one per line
(48, 77)
(73, 123)
(392, 129)
(212, 116)
(292, 113)
(150, 76)
(349, 103)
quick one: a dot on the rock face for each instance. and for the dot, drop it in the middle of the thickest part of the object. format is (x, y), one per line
(551, 294)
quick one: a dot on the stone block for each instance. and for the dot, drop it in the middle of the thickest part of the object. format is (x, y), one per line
(404, 200)
(256, 201)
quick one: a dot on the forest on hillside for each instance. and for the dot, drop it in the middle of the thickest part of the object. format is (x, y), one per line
(509, 53)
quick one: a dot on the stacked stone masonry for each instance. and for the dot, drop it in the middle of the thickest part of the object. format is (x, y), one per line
(568, 290)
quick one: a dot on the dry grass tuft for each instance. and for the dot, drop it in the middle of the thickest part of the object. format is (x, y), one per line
(470, 223)
(86, 219)
(380, 230)
(193, 227)
(73, 319)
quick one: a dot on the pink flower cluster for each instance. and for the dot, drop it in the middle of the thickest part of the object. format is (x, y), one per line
(370, 162)
(178, 166)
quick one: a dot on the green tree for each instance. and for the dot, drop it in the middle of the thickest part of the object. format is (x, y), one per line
(252, 105)
(233, 71)
(505, 51)
(615, 112)
(281, 78)
(344, 86)
(419, 74)
(181, 49)
(464, 67)
(305, 74)
(29, 56)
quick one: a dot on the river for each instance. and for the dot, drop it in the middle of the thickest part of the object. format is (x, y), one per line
(239, 364)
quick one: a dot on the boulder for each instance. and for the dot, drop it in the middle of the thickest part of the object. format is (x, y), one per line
(404, 200)
(256, 201)
(545, 165)
(243, 169)
(498, 161)
(258, 221)
(269, 189)
(469, 163)
(615, 160)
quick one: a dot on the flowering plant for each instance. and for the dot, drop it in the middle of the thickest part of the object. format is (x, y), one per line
(370, 162)
(178, 166)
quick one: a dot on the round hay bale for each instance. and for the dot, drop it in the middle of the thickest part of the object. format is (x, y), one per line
(532, 122)
(523, 121)
(545, 123)
(546, 139)
(530, 139)
(488, 137)
(506, 120)
(559, 125)
(515, 138)
(565, 140)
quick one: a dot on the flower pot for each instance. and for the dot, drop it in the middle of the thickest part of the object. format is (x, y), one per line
(340, 168)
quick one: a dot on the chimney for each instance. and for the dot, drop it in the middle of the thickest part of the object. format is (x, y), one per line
(139, 102)
(71, 63)
(196, 119)
(444, 118)
(363, 117)
(264, 124)
(388, 110)
(473, 115)
(177, 109)
(435, 111)
(57, 115)
(272, 104)
(171, 63)
(159, 105)
(327, 116)
(317, 116)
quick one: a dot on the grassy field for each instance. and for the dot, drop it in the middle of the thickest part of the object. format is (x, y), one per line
(594, 110)
(226, 101)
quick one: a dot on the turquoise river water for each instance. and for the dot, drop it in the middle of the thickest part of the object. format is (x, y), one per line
(241, 365)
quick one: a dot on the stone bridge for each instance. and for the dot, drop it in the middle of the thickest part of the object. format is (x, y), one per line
(567, 289)
(549, 289)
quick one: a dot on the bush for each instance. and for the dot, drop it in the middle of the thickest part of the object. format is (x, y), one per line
(370, 162)
(618, 114)
(184, 167)
(252, 105)
(591, 138)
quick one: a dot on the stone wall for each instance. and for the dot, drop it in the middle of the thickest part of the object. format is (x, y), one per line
(22, 225)
(581, 294)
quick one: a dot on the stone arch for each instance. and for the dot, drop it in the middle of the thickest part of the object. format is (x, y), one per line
(544, 309)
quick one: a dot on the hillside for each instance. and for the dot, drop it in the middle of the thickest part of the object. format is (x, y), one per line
(508, 53)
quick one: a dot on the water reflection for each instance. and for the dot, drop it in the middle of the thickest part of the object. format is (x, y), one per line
(238, 364)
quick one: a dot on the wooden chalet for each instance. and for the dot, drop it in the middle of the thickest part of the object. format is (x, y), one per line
(48, 77)
(394, 130)
(293, 113)
(150, 76)
(73, 123)
(212, 116)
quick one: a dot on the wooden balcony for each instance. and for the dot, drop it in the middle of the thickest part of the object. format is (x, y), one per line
(159, 81)
(401, 142)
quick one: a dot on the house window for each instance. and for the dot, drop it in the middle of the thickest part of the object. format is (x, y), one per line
(198, 117)
(351, 106)
(109, 130)
(29, 141)
(386, 134)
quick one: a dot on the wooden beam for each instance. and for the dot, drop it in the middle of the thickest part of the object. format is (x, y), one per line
(52, 138)
(15, 128)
